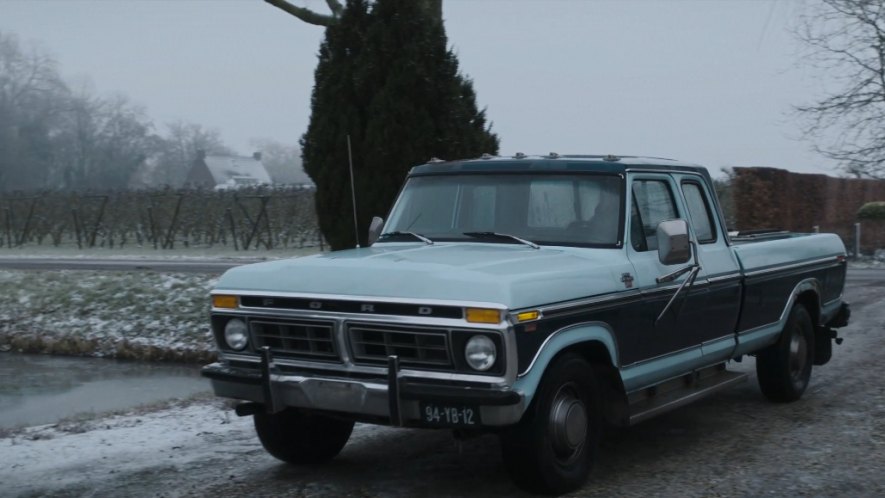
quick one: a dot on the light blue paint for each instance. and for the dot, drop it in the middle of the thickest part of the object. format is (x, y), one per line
(789, 250)
(651, 372)
(719, 350)
(756, 339)
(599, 332)
(513, 276)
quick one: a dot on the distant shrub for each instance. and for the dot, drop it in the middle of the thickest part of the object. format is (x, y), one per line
(872, 211)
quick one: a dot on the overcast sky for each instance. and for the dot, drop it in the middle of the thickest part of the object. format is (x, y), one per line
(710, 82)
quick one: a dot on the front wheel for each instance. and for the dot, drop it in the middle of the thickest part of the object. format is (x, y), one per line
(784, 368)
(554, 446)
(302, 438)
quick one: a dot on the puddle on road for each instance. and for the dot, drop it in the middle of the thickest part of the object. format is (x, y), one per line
(36, 389)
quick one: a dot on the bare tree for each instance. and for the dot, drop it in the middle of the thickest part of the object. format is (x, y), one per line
(31, 96)
(847, 43)
(336, 8)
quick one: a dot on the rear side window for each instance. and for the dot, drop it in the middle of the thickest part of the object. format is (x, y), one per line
(699, 212)
(652, 203)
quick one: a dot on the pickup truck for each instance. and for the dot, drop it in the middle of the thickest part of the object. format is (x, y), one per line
(542, 298)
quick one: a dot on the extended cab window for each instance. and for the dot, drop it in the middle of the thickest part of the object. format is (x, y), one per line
(652, 203)
(699, 212)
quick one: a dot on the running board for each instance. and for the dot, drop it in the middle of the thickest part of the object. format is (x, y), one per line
(681, 391)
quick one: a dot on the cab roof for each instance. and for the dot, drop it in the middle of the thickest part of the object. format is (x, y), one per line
(555, 163)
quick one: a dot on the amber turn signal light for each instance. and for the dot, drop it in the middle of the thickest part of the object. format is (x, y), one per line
(483, 315)
(225, 301)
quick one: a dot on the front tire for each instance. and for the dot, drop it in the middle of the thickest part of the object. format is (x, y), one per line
(555, 445)
(302, 438)
(784, 368)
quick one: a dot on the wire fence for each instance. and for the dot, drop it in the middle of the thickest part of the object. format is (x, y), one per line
(242, 219)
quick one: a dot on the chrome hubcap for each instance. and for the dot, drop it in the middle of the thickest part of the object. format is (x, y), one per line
(568, 423)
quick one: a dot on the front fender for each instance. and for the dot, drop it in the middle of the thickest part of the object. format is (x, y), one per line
(580, 333)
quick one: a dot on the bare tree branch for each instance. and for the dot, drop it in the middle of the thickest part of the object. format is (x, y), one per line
(847, 42)
(308, 15)
(336, 7)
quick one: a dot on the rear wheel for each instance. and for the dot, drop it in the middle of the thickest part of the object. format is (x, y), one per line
(554, 446)
(302, 438)
(784, 368)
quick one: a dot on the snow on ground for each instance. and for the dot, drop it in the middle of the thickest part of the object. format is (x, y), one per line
(110, 314)
(56, 456)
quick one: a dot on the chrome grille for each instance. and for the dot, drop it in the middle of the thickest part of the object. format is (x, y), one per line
(297, 339)
(373, 344)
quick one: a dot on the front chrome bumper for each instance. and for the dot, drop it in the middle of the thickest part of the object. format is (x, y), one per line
(394, 398)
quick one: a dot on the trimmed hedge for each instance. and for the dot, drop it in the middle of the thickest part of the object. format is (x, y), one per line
(872, 211)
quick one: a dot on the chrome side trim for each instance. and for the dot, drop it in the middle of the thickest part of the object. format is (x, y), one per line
(582, 302)
(802, 286)
(724, 278)
(615, 361)
(814, 262)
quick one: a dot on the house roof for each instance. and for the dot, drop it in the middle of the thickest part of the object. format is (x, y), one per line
(225, 169)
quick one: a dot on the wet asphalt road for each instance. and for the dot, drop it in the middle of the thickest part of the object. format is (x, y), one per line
(829, 443)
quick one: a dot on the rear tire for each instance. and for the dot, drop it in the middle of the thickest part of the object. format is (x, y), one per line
(784, 368)
(302, 438)
(554, 446)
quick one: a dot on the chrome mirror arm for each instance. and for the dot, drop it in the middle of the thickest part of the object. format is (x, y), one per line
(692, 271)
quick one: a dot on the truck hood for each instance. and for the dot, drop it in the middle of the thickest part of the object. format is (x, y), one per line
(514, 276)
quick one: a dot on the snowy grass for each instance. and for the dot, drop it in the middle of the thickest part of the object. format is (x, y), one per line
(127, 315)
(146, 252)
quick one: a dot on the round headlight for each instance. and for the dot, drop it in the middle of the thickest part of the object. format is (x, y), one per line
(235, 334)
(480, 353)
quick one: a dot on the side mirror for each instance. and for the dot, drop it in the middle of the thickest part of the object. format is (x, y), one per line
(375, 229)
(673, 243)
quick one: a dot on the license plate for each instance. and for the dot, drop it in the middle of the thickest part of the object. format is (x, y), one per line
(449, 415)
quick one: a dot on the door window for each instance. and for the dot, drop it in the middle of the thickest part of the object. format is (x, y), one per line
(699, 212)
(652, 203)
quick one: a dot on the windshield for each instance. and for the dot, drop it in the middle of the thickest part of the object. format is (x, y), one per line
(552, 209)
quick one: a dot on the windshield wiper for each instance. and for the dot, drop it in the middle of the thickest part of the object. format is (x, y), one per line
(413, 234)
(503, 236)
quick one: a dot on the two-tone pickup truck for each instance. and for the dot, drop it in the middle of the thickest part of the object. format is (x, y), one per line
(539, 297)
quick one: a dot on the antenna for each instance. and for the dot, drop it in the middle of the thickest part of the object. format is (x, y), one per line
(356, 230)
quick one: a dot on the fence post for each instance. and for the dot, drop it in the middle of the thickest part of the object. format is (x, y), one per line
(104, 201)
(170, 233)
(153, 225)
(233, 228)
(8, 227)
(77, 228)
(857, 240)
(27, 228)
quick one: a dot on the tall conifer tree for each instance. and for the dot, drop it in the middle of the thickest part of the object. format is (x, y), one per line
(386, 78)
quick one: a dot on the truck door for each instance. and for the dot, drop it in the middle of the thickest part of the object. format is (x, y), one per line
(714, 324)
(654, 198)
